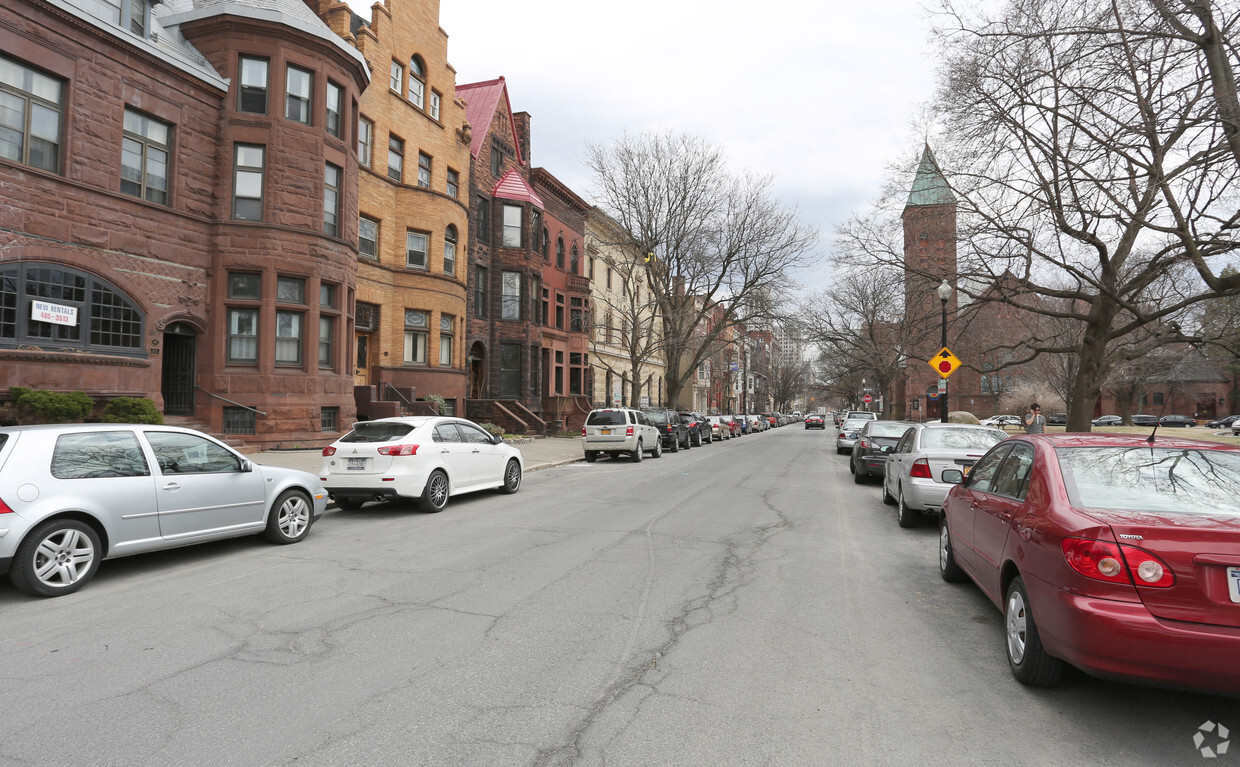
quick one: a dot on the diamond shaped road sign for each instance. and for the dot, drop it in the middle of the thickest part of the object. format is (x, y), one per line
(944, 362)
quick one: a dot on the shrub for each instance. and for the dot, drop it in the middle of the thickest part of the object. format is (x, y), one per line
(53, 406)
(1017, 400)
(131, 410)
(439, 403)
(494, 428)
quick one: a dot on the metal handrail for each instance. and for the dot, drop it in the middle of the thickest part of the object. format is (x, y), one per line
(397, 392)
(238, 404)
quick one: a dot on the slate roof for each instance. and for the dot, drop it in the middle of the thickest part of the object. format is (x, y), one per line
(929, 186)
(1191, 366)
(513, 187)
(481, 101)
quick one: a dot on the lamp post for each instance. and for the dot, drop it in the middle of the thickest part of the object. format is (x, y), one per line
(864, 406)
(945, 292)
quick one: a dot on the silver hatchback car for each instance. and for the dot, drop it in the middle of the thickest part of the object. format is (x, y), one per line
(72, 495)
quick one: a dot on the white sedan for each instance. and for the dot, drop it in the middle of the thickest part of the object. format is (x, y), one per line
(430, 458)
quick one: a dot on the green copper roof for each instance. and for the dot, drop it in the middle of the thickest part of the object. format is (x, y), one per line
(929, 187)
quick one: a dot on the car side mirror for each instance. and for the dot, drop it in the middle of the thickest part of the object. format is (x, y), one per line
(952, 477)
(497, 439)
(247, 465)
(887, 448)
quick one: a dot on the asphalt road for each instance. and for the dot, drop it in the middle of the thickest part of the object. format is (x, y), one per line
(743, 603)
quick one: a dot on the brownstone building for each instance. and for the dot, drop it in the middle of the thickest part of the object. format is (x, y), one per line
(413, 146)
(178, 216)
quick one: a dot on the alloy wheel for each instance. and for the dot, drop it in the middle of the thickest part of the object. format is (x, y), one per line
(1016, 625)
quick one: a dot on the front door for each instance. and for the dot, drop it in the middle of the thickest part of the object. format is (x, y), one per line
(177, 377)
(361, 371)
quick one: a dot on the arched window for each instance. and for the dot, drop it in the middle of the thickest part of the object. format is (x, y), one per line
(576, 261)
(417, 82)
(546, 244)
(449, 250)
(559, 252)
(83, 311)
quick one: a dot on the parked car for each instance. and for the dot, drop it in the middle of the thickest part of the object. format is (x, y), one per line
(849, 431)
(745, 426)
(699, 427)
(1108, 420)
(815, 421)
(1057, 419)
(875, 440)
(719, 428)
(428, 458)
(1144, 419)
(619, 431)
(1176, 421)
(1223, 423)
(673, 429)
(73, 495)
(1105, 552)
(1003, 421)
(912, 480)
(867, 414)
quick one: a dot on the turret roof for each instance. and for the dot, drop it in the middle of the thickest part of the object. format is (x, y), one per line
(929, 186)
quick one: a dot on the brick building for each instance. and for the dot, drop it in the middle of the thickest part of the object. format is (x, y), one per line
(179, 209)
(413, 146)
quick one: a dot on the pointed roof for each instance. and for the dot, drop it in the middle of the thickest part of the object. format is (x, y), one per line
(929, 186)
(513, 187)
(481, 101)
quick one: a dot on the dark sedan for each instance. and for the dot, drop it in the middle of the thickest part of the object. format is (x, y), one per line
(875, 441)
(815, 421)
(699, 427)
(1223, 423)
(1108, 420)
(1144, 419)
(1177, 421)
(672, 429)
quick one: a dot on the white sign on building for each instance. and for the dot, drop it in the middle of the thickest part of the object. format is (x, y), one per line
(45, 311)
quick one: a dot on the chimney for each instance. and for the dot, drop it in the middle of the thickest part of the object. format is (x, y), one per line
(521, 121)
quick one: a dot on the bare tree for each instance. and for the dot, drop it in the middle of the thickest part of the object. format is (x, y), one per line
(716, 244)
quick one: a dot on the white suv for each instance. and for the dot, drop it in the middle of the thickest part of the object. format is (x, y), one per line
(619, 431)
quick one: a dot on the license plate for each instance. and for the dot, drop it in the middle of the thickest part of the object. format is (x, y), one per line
(604, 431)
(356, 464)
(1233, 583)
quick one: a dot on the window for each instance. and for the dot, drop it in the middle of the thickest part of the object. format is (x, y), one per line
(509, 370)
(331, 200)
(480, 291)
(1012, 479)
(396, 158)
(335, 94)
(577, 314)
(484, 222)
(288, 338)
(248, 182)
(983, 472)
(559, 310)
(30, 112)
(609, 278)
(98, 454)
(575, 261)
(299, 86)
(238, 420)
(245, 287)
(291, 290)
(591, 267)
(559, 372)
(243, 336)
(510, 296)
(415, 248)
(559, 252)
(545, 307)
(368, 238)
(435, 101)
(365, 141)
(252, 95)
(424, 170)
(327, 296)
(396, 76)
(512, 226)
(1158, 399)
(446, 326)
(91, 314)
(327, 338)
(449, 250)
(536, 295)
(546, 244)
(416, 325)
(329, 419)
(126, 14)
(495, 161)
(417, 83)
(454, 182)
(574, 372)
(144, 157)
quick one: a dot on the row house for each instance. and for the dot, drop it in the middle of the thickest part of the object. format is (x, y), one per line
(627, 366)
(178, 181)
(413, 144)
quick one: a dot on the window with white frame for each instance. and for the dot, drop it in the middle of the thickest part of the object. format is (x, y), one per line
(449, 250)
(365, 141)
(331, 199)
(298, 91)
(367, 237)
(435, 101)
(512, 226)
(415, 248)
(30, 116)
(424, 170)
(288, 338)
(248, 172)
(144, 157)
(396, 76)
(335, 98)
(417, 324)
(396, 158)
(417, 82)
(243, 336)
(447, 325)
(327, 345)
(252, 94)
(510, 296)
(454, 183)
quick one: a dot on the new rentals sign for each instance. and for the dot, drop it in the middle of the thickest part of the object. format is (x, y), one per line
(45, 311)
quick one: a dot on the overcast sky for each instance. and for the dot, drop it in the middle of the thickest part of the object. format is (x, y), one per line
(821, 94)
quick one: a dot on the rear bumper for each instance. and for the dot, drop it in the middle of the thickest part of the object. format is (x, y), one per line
(924, 494)
(604, 445)
(1123, 640)
(874, 464)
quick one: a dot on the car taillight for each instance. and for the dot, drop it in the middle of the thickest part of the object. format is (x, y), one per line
(864, 445)
(583, 431)
(394, 450)
(669, 428)
(1116, 563)
(920, 469)
(4, 507)
(329, 450)
(628, 432)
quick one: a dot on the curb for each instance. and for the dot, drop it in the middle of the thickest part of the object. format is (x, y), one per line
(554, 464)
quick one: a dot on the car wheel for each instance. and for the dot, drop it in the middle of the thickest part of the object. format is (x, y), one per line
(349, 504)
(289, 520)
(58, 557)
(858, 475)
(948, 569)
(697, 441)
(435, 493)
(512, 477)
(905, 517)
(1027, 658)
(637, 452)
(887, 497)
(658, 450)
(675, 448)
(852, 466)
(591, 456)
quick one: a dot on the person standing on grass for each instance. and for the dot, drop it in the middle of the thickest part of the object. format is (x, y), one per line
(1035, 422)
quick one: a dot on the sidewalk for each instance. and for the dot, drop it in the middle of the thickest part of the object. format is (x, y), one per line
(539, 454)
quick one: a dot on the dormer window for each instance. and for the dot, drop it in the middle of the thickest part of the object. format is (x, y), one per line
(126, 14)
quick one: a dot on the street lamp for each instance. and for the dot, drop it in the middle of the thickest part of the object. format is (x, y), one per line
(863, 405)
(945, 292)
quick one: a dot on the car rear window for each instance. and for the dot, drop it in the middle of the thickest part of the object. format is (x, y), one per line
(1159, 479)
(606, 418)
(377, 431)
(656, 416)
(961, 439)
(851, 424)
(888, 429)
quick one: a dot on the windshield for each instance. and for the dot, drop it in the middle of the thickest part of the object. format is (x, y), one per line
(961, 439)
(1161, 479)
(377, 431)
(879, 429)
(606, 418)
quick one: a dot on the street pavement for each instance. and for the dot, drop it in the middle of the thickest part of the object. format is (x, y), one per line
(540, 453)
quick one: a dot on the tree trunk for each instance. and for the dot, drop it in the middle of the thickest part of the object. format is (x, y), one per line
(1091, 373)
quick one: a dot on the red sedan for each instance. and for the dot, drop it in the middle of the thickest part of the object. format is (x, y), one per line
(1106, 552)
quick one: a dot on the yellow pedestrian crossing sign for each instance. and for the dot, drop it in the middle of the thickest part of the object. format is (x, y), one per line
(944, 362)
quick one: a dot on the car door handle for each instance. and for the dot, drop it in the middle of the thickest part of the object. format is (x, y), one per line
(445, 450)
(476, 450)
(172, 486)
